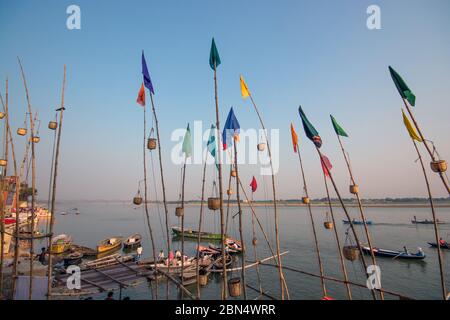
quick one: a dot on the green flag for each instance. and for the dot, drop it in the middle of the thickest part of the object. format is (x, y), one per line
(337, 128)
(402, 87)
(187, 145)
(214, 59)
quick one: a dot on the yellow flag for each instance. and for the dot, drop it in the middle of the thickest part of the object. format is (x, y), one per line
(244, 90)
(411, 130)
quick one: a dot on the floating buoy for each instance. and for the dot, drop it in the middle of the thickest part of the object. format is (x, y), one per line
(137, 200)
(439, 166)
(52, 125)
(354, 189)
(213, 203)
(328, 225)
(261, 146)
(2, 115)
(3, 162)
(203, 279)
(36, 139)
(306, 200)
(229, 192)
(151, 143)
(21, 131)
(234, 287)
(233, 173)
(179, 211)
(351, 253)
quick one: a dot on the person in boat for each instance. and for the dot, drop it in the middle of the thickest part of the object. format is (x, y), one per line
(110, 296)
(420, 251)
(161, 256)
(41, 256)
(178, 255)
(442, 242)
(406, 250)
(139, 253)
(170, 257)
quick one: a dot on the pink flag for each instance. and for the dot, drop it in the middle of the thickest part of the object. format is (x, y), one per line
(254, 185)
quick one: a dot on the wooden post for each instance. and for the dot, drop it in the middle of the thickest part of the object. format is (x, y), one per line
(182, 219)
(255, 253)
(338, 244)
(436, 230)
(316, 241)
(55, 174)
(277, 236)
(361, 210)
(238, 199)
(222, 222)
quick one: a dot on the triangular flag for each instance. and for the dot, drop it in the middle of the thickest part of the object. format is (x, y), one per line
(310, 131)
(294, 138)
(254, 184)
(141, 96)
(411, 129)
(146, 75)
(326, 165)
(214, 59)
(402, 87)
(211, 145)
(244, 89)
(231, 130)
(337, 128)
(187, 145)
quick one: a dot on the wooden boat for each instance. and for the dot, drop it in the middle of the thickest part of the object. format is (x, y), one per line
(175, 266)
(133, 241)
(188, 233)
(443, 246)
(208, 251)
(74, 258)
(87, 252)
(106, 261)
(232, 246)
(218, 264)
(60, 244)
(426, 221)
(109, 244)
(357, 222)
(395, 254)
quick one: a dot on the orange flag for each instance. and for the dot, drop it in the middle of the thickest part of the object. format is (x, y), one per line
(141, 96)
(294, 138)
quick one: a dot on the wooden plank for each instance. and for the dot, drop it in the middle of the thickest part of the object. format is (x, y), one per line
(180, 285)
(112, 278)
(262, 293)
(93, 284)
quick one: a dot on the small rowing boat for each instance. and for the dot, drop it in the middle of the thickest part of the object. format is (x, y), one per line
(74, 258)
(188, 233)
(426, 221)
(109, 244)
(443, 246)
(420, 255)
(60, 244)
(357, 222)
(132, 242)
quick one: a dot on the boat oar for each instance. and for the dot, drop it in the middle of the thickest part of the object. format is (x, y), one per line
(397, 256)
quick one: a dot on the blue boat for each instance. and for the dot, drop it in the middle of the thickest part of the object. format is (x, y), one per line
(356, 222)
(395, 254)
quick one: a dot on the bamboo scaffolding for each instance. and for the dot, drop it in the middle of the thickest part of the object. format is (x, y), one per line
(316, 241)
(2, 204)
(55, 175)
(436, 229)
(33, 179)
(238, 199)
(360, 206)
(338, 244)
(277, 236)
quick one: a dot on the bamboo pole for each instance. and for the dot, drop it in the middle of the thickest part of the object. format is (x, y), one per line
(352, 227)
(444, 181)
(227, 219)
(255, 253)
(361, 210)
(277, 236)
(316, 241)
(2, 204)
(146, 204)
(55, 175)
(436, 230)
(338, 244)
(33, 179)
(182, 218)
(163, 185)
(222, 223)
(238, 199)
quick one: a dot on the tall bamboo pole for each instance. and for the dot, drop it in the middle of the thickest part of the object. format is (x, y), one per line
(55, 175)
(316, 241)
(360, 206)
(433, 158)
(352, 227)
(436, 230)
(146, 205)
(163, 185)
(277, 236)
(255, 253)
(222, 222)
(33, 180)
(241, 233)
(182, 219)
(338, 243)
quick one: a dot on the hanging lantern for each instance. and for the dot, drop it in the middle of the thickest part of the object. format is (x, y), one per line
(213, 203)
(234, 287)
(254, 241)
(306, 200)
(21, 131)
(351, 253)
(261, 146)
(137, 200)
(179, 212)
(36, 139)
(354, 189)
(229, 192)
(3, 162)
(439, 166)
(328, 225)
(2, 115)
(233, 173)
(52, 125)
(151, 143)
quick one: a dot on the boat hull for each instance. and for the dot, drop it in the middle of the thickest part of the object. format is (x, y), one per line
(394, 254)
(194, 234)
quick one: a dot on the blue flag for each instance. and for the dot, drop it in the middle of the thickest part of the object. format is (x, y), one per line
(231, 130)
(147, 81)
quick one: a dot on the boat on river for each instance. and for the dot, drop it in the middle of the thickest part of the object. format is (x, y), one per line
(357, 222)
(109, 244)
(189, 233)
(420, 255)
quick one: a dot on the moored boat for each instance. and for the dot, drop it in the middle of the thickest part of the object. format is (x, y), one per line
(357, 222)
(109, 244)
(443, 246)
(60, 244)
(133, 241)
(426, 221)
(74, 258)
(188, 233)
(420, 255)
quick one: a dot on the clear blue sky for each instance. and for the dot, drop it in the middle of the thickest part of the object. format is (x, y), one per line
(319, 54)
